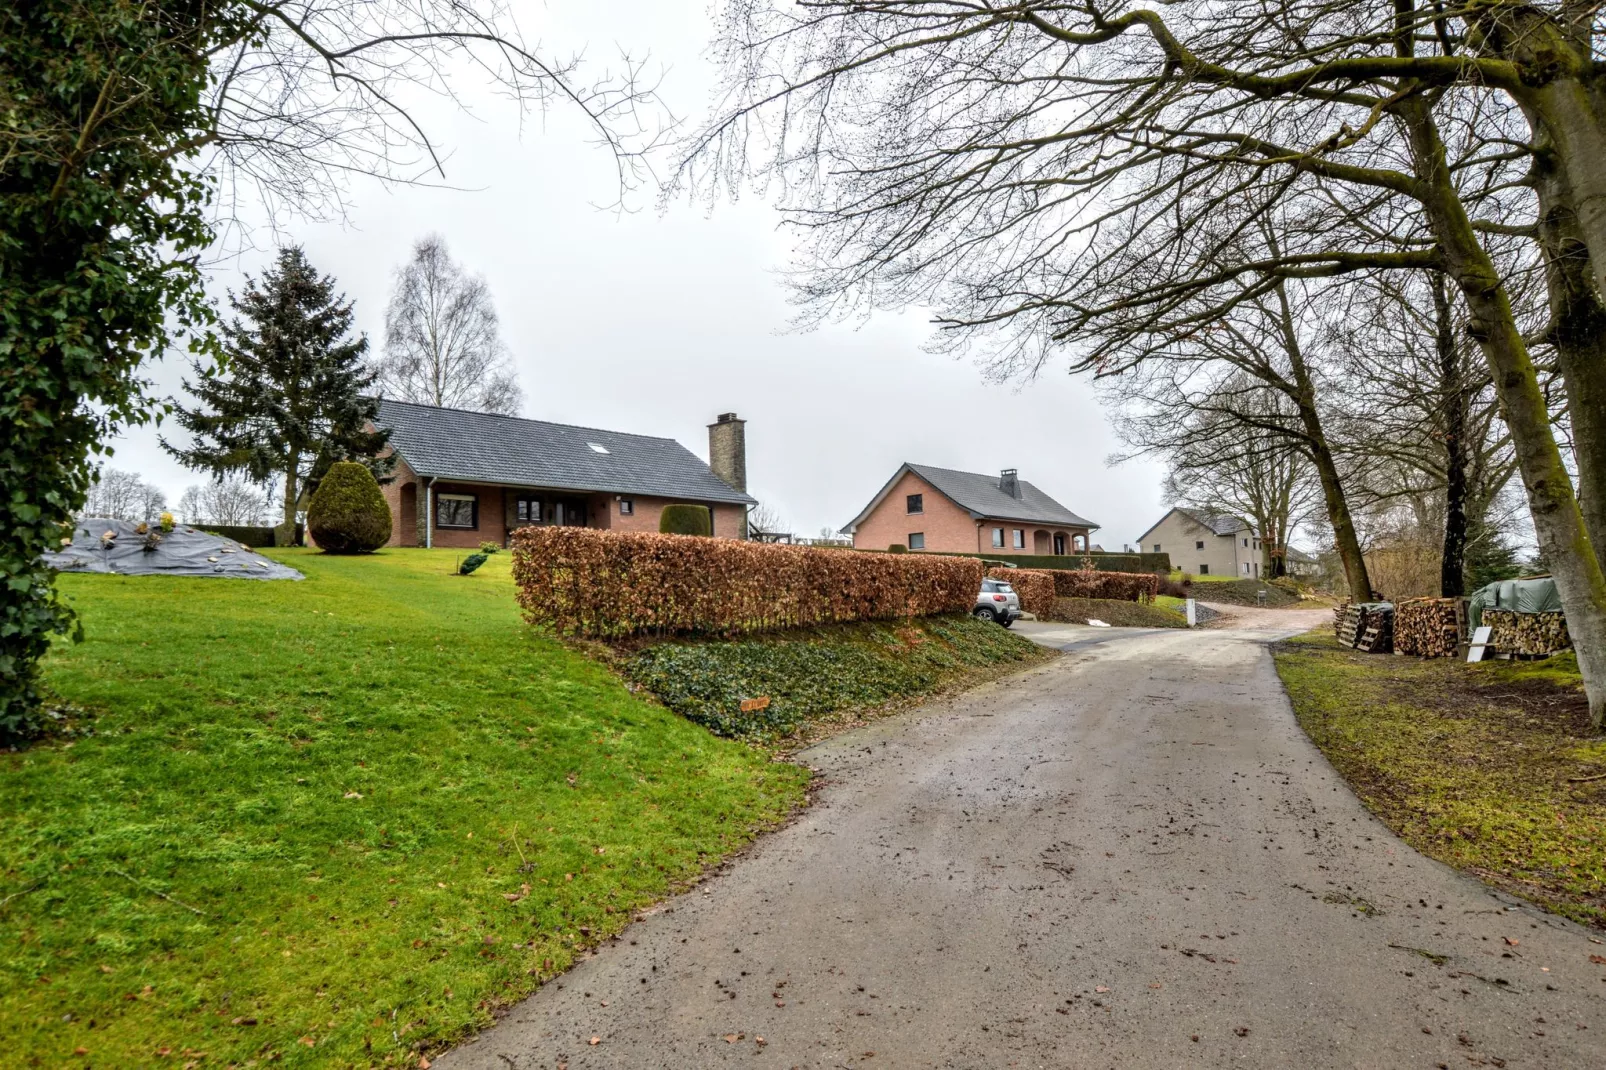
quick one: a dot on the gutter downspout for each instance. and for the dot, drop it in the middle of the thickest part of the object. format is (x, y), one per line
(429, 514)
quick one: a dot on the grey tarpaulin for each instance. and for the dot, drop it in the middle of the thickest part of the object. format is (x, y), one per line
(184, 551)
(1523, 596)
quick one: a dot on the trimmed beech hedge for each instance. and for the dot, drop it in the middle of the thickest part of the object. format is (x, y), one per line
(1091, 583)
(611, 585)
(1035, 587)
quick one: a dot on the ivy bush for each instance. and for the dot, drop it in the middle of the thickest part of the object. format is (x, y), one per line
(101, 216)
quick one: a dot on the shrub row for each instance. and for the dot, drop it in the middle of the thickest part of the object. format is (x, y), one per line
(1035, 587)
(1092, 583)
(610, 585)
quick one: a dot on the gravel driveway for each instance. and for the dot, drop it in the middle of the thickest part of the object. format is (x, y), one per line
(1129, 858)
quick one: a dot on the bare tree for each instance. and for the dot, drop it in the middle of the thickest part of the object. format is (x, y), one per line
(442, 345)
(1418, 416)
(1224, 464)
(225, 502)
(1082, 178)
(765, 523)
(123, 495)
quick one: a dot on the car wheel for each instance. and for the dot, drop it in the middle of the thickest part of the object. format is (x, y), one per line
(984, 613)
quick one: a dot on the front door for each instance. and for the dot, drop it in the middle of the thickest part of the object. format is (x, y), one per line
(1059, 546)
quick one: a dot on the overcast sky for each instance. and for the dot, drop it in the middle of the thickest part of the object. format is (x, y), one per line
(653, 323)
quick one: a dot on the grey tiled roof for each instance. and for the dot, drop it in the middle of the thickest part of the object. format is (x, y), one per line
(482, 448)
(979, 494)
(1218, 523)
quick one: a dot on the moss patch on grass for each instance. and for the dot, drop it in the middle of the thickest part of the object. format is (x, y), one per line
(1120, 614)
(1478, 766)
(336, 822)
(819, 676)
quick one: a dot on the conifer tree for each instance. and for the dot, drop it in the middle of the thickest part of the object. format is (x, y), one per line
(289, 400)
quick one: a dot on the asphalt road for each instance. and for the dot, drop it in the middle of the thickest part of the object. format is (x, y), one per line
(1129, 858)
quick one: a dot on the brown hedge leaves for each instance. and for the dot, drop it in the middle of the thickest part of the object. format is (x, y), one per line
(1091, 583)
(610, 585)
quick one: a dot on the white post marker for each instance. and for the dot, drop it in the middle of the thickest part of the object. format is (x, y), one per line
(1192, 612)
(1480, 640)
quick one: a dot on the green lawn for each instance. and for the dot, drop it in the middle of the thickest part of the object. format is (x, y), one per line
(335, 822)
(1491, 768)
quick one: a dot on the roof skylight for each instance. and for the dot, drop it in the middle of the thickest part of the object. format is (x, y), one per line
(599, 447)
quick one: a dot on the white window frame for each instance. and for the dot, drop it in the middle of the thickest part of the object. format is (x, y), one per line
(1017, 538)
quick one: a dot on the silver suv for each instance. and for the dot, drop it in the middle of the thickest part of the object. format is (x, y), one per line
(997, 602)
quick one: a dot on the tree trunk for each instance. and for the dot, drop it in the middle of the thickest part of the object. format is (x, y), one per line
(1558, 523)
(285, 533)
(1578, 331)
(1453, 402)
(1321, 455)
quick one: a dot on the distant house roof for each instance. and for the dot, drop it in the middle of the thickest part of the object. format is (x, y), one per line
(1294, 553)
(479, 447)
(1217, 523)
(981, 496)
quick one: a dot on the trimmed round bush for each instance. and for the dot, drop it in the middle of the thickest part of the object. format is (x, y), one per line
(897, 548)
(686, 520)
(348, 514)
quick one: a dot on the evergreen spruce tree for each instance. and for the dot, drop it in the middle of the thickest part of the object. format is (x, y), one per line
(289, 401)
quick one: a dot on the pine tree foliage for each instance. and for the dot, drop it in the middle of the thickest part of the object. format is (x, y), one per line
(289, 400)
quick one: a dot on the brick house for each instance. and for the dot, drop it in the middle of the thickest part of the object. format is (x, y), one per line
(1205, 544)
(945, 511)
(463, 478)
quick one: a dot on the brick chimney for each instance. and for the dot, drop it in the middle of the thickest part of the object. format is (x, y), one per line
(727, 449)
(1008, 483)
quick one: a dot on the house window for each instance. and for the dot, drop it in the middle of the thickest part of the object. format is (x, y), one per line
(916, 503)
(1198, 546)
(627, 507)
(1246, 542)
(1246, 568)
(1156, 547)
(998, 538)
(1019, 539)
(457, 511)
(1204, 570)
(917, 540)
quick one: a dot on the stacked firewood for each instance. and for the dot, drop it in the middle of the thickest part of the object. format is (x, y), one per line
(1428, 627)
(1368, 628)
(1534, 635)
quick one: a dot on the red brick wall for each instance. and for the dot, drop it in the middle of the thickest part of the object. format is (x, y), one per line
(948, 528)
(403, 505)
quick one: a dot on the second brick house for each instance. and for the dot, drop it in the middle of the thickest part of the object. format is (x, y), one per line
(463, 478)
(942, 510)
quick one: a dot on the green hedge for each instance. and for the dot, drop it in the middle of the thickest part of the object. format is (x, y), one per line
(245, 534)
(686, 520)
(1104, 562)
(348, 513)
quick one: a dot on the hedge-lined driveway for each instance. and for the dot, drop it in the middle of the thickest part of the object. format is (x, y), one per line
(1131, 857)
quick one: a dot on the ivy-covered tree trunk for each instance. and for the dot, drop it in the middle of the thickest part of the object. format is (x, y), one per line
(97, 218)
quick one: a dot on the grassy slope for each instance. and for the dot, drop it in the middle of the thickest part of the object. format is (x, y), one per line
(304, 814)
(1469, 764)
(1118, 613)
(823, 673)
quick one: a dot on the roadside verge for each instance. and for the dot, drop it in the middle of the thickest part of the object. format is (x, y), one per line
(1490, 768)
